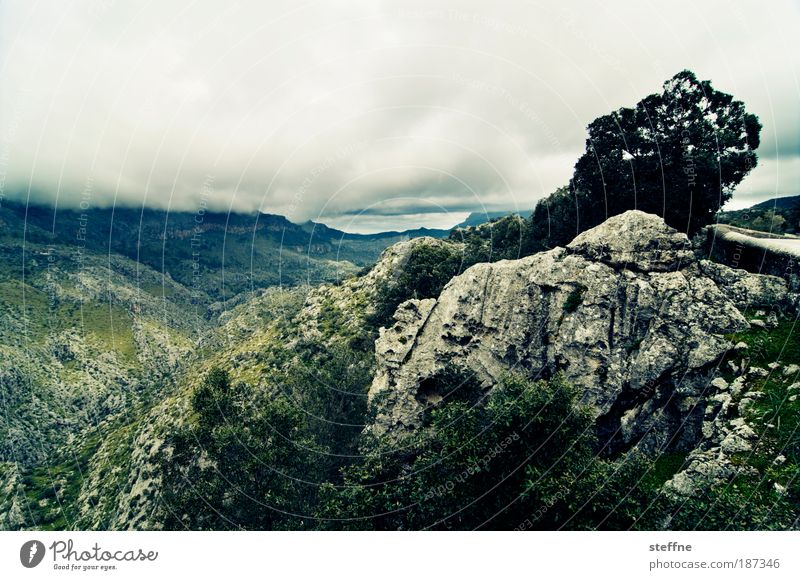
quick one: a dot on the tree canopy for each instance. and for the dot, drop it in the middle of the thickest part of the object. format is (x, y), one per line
(678, 154)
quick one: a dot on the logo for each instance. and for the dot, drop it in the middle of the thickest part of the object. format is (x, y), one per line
(31, 553)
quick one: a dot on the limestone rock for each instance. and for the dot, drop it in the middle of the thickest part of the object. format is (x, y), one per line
(744, 289)
(720, 384)
(634, 240)
(625, 313)
(791, 370)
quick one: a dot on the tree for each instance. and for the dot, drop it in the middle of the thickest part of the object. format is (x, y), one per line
(522, 457)
(505, 238)
(330, 384)
(794, 218)
(554, 220)
(244, 461)
(678, 154)
(770, 221)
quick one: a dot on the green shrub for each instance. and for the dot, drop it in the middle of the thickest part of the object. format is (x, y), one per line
(522, 458)
(244, 462)
(426, 271)
(574, 299)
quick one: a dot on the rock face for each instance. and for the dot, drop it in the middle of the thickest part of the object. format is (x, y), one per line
(634, 240)
(626, 312)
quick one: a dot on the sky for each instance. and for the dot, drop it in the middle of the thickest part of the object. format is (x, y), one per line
(364, 115)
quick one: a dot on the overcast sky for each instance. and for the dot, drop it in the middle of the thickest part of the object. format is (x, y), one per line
(364, 115)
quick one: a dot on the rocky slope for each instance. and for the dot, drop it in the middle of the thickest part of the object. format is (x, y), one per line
(86, 343)
(255, 341)
(626, 312)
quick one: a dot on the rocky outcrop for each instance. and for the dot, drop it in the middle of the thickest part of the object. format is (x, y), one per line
(355, 298)
(726, 435)
(744, 289)
(625, 312)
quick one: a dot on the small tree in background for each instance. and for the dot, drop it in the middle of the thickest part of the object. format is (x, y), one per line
(678, 154)
(428, 268)
(770, 221)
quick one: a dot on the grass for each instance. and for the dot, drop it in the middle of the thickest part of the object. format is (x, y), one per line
(15, 294)
(158, 290)
(777, 418)
(110, 325)
(667, 465)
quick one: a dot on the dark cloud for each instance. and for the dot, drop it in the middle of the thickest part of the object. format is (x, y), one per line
(396, 110)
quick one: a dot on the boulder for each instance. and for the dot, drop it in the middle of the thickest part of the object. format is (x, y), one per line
(625, 313)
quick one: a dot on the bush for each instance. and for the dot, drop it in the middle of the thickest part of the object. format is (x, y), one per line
(241, 463)
(522, 458)
(426, 271)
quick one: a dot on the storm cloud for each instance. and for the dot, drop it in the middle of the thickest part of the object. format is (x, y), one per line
(364, 115)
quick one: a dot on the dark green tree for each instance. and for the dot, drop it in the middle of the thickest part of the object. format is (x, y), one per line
(505, 238)
(793, 218)
(678, 154)
(523, 457)
(243, 461)
(329, 383)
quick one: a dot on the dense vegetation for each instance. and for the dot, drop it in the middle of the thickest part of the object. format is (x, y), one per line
(423, 275)
(254, 458)
(523, 457)
(251, 461)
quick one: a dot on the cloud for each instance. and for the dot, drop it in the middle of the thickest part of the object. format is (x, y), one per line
(327, 110)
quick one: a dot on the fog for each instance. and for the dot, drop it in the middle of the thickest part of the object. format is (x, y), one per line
(363, 115)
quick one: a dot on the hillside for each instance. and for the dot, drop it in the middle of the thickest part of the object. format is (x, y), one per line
(132, 363)
(87, 343)
(781, 203)
(104, 312)
(776, 216)
(217, 255)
